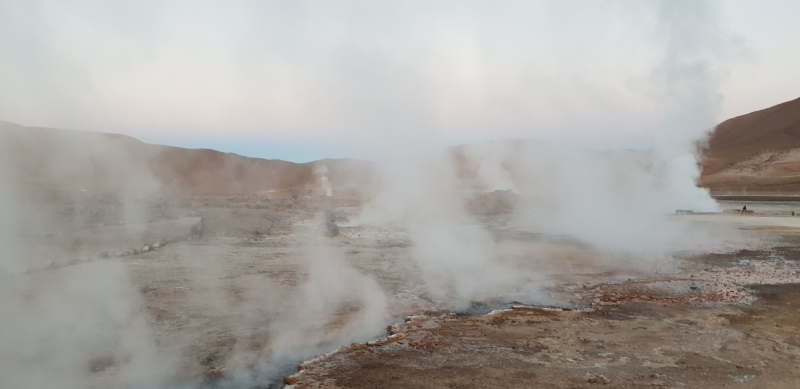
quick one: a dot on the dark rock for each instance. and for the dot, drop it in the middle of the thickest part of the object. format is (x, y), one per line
(597, 379)
(498, 202)
(101, 363)
(197, 230)
(328, 229)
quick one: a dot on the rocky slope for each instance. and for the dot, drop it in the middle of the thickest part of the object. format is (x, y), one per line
(756, 152)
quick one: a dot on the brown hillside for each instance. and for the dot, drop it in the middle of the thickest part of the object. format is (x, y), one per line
(67, 160)
(757, 152)
(734, 140)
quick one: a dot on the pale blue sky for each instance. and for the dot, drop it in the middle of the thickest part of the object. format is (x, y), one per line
(305, 80)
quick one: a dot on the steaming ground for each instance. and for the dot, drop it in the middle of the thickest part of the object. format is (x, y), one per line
(116, 271)
(236, 291)
(119, 272)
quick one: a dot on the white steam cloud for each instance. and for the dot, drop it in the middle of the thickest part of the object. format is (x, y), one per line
(321, 171)
(616, 201)
(60, 327)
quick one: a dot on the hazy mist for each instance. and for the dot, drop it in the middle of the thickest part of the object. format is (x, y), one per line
(377, 80)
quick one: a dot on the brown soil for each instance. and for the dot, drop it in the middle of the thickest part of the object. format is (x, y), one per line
(621, 344)
(210, 298)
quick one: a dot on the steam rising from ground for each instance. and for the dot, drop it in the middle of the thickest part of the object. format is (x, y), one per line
(618, 202)
(331, 284)
(321, 171)
(69, 322)
(56, 326)
(335, 305)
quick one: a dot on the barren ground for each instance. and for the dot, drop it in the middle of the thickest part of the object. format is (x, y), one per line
(635, 335)
(212, 288)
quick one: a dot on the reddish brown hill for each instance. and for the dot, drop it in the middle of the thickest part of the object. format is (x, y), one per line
(774, 128)
(759, 151)
(68, 160)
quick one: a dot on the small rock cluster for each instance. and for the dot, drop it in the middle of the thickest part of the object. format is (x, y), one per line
(102, 255)
(144, 249)
(597, 379)
(329, 227)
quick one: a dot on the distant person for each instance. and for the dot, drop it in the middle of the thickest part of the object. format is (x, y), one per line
(744, 208)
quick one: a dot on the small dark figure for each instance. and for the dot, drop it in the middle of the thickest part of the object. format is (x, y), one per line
(744, 208)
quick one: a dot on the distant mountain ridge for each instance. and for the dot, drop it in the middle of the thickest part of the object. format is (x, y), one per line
(72, 160)
(756, 152)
